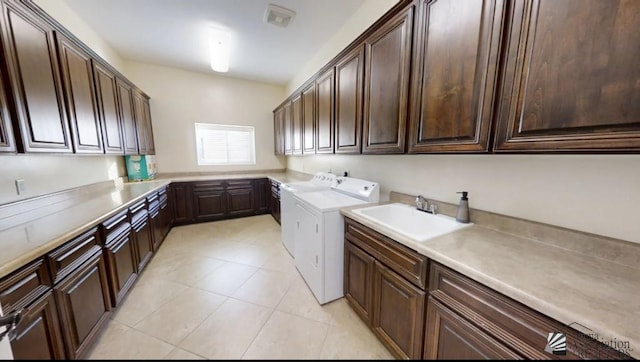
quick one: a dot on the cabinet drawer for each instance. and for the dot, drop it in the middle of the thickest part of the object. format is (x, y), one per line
(520, 327)
(208, 185)
(24, 286)
(139, 217)
(404, 261)
(138, 206)
(236, 184)
(72, 254)
(152, 197)
(114, 223)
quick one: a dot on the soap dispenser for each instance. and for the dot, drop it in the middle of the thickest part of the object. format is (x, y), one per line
(463, 208)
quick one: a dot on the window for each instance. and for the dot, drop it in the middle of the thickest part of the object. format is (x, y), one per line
(221, 144)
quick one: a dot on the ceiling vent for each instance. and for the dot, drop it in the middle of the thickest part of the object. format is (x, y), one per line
(278, 15)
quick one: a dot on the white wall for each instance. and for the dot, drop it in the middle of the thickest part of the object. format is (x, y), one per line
(180, 98)
(50, 173)
(599, 194)
(367, 14)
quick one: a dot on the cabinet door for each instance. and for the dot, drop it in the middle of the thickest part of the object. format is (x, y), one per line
(398, 313)
(181, 199)
(275, 206)
(208, 205)
(155, 225)
(108, 106)
(309, 119)
(288, 139)
(456, 47)
(38, 335)
(125, 105)
(121, 265)
(240, 201)
(571, 77)
(84, 303)
(143, 240)
(165, 219)
(349, 83)
(386, 85)
(452, 337)
(262, 189)
(142, 115)
(33, 72)
(82, 107)
(151, 145)
(278, 131)
(7, 140)
(325, 88)
(296, 125)
(358, 279)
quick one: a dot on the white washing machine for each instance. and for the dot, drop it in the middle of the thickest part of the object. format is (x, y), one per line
(320, 181)
(319, 233)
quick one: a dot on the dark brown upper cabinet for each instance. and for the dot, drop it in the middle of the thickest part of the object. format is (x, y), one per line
(348, 93)
(296, 124)
(309, 119)
(30, 57)
(108, 107)
(142, 114)
(456, 55)
(7, 141)
(386, 85)
(77, 78)
(571, 77)
(288, 139)
(125, 105)
(278, 131)
(325, 87)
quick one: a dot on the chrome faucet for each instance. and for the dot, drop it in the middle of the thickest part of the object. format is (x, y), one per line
(425, 206)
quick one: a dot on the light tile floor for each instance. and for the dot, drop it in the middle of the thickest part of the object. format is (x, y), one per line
(229, 290)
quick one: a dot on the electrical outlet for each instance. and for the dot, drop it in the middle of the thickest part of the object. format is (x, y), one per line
(20, 186)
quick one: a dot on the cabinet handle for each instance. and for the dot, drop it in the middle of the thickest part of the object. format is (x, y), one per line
(10, 321)
(298, 222)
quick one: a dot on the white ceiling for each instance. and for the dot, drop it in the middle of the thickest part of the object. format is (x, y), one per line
(173, 32)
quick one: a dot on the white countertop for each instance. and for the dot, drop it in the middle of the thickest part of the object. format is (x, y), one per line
(28, 241)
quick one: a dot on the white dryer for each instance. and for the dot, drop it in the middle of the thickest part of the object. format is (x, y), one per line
(319, 233)
(320, 181)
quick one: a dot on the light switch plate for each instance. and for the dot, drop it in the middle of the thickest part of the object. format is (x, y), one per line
(20, 186)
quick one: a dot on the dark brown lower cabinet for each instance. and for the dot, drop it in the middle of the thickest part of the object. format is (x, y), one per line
(398, 312)
(358, 280)
(450, 336)
(274, 199)
(84, 305)
(121, 264)
(384, 282)
(166, 216)
(208, 205)
(240, 202)
(469, 320)
(143, 238)
(38, 335)
(154, 224)
(262, 187)
(181, 198)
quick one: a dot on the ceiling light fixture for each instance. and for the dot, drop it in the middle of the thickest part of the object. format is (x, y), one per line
(219, 49)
